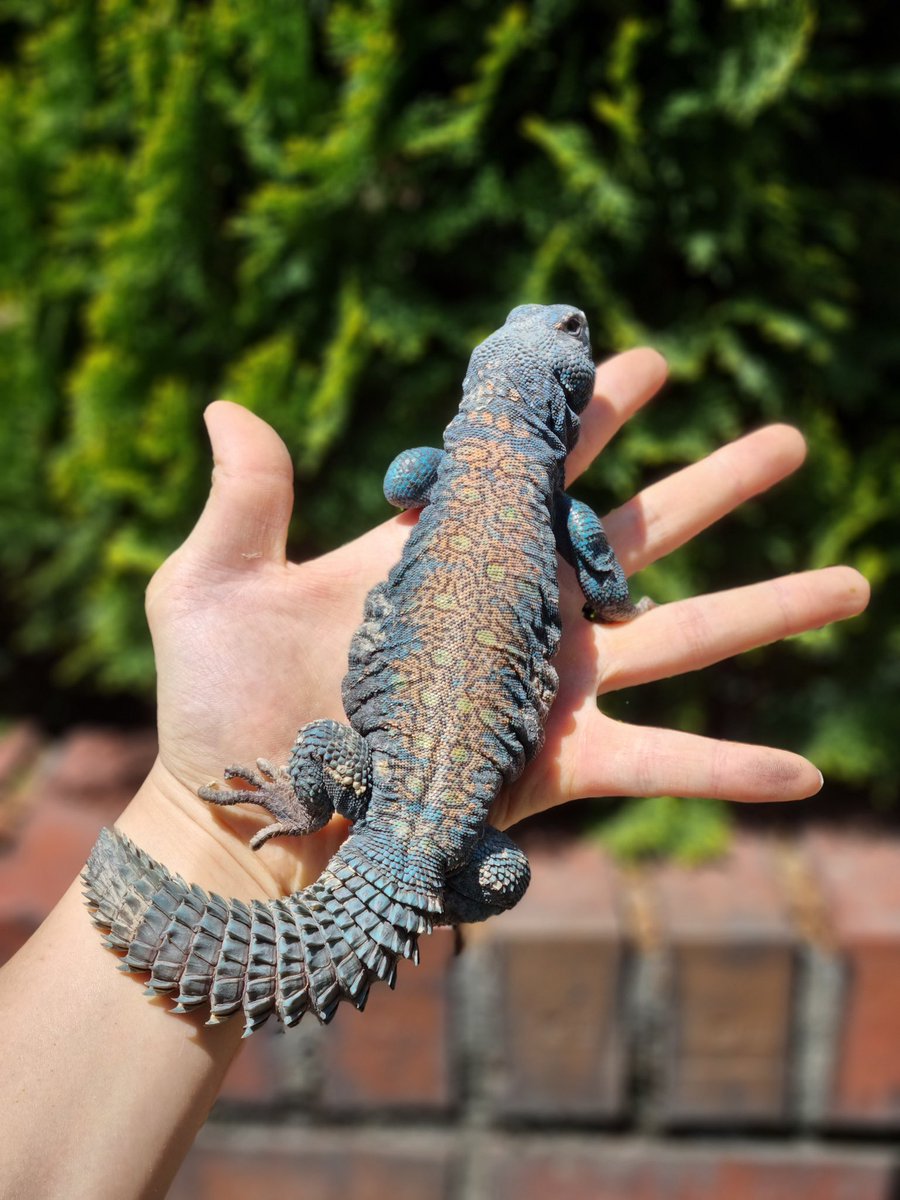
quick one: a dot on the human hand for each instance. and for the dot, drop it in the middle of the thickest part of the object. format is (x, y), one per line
(249, 647)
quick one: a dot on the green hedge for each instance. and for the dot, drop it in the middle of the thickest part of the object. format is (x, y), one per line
(317, 209)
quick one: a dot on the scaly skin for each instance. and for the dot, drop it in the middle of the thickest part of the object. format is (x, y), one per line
(447, 693)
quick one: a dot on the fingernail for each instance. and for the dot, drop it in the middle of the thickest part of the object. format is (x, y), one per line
(821, 782)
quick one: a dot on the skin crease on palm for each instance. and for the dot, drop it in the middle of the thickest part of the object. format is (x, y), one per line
(249, 647)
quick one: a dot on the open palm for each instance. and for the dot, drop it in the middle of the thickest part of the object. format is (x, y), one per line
(249, 647)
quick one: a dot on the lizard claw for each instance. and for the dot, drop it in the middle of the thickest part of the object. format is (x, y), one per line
(274, 830)
(270, 773)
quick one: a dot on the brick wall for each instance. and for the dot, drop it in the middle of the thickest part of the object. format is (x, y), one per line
(732, 1031)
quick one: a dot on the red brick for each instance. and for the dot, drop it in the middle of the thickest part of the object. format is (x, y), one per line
(20, 747)
(252, 1078)
(558, 956)
(860, 877)
(642, 1170)
(397, 1053)
(104, 766)
(321, 1165)
(79, 785)
(731, 954)
(48, 855)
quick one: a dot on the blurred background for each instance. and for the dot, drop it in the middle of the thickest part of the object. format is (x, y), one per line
(317, 210)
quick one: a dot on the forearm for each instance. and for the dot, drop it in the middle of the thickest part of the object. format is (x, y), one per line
(104, 1089)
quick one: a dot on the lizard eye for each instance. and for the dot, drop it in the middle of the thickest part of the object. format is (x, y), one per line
(572, 325)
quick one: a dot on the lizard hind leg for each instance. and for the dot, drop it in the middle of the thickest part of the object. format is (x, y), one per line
(329, 771)
(493, 879)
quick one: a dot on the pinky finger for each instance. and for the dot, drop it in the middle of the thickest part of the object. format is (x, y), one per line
(631, 760)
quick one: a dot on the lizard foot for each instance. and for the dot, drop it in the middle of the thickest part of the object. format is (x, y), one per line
(620, 615)
(272, 788)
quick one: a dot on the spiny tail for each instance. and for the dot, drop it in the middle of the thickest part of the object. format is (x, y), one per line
(305, 952)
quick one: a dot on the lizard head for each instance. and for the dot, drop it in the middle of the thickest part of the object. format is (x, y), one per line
(553, 339)
(559, 334)
(543, 353)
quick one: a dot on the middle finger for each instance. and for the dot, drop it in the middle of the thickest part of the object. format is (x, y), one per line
(689, 634)
(669, 513)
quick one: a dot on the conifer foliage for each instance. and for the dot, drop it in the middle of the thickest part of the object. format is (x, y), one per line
(316, 209)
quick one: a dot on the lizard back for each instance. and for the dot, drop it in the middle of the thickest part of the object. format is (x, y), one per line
(450, 679)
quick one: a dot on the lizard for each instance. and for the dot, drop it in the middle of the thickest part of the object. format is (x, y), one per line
(449, 684)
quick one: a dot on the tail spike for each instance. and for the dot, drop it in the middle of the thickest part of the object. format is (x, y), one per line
(305, 952)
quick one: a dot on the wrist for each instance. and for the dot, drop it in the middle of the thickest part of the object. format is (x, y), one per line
(210, 846)
(177, 829)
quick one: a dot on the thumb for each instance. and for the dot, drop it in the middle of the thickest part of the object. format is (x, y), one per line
(245, 520)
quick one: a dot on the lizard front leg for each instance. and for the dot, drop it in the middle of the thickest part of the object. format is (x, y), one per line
(329, 771)
(582, 541)
(411, 476)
